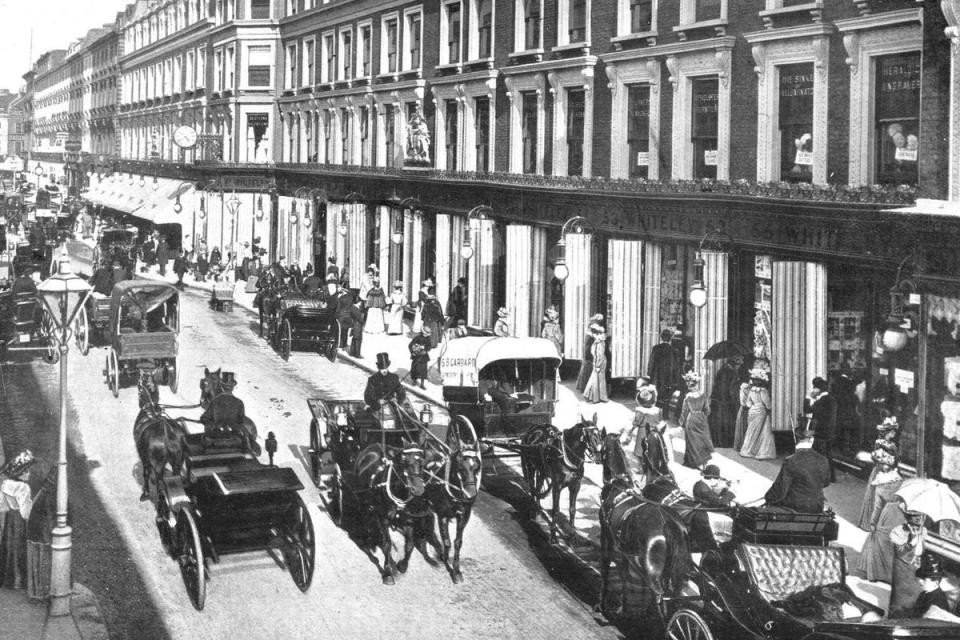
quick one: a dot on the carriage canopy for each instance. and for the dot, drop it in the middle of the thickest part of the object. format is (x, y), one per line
(153, 303)
(465, 359)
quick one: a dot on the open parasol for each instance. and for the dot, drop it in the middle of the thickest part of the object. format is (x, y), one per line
(930, 497)
(726, 349)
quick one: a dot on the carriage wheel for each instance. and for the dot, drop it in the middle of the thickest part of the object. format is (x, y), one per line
(687, 624)
(113, 373)
(301, 546)
(172, 377)
(286, 340)
(332, 352)
(163, 524)
(191, 559)
(316, 456)
(81, 332)
(272, 330)
(336, 507)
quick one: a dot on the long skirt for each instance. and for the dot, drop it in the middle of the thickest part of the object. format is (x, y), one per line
(13, 551)
(699, 445)
(419, 366)
(395, 321)
(596, 388)
(434, 333)
(875, 499)
(741, 428)
(374, 323)
(877, 556)
(758, 440)
(417, 321)
(586, 369)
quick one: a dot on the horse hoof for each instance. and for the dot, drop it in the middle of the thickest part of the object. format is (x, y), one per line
(457, 577)
(402, 566)
(144, 497)
(388, 580)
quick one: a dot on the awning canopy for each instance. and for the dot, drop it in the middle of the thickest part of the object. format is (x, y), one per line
(155, 205)
(464, 358)
(158, 206)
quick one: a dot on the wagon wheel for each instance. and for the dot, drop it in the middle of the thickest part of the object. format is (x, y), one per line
(301, 546)
(191, 559)
(316, 455)
(172, 378)
(113, 373)
(81, 332)
(687, 624)
(286, 339)
(48, 328)
(272, 330)
(163, 524)
(336, 507)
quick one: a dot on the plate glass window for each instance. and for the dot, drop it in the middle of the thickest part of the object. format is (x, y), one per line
(481, 111)
(576, 109)
(389, 134)
(897, 126)
(258, 66)
(528, 126)
(577, 31)
(450, 120)
(485, 28)
(638, 129)
(453, 33)
(641, 15)
(531, 19)
(704, 127)
(392, 46)
(796, 122)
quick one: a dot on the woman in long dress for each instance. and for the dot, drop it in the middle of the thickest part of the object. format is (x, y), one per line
(43, 516)
(596, 389)
(758, 440)
(376, 301)
(885, 478)
(398, 301)
(422, 296)
(693, 420)
(16, 503)
(741, 428)
(551, 328)
(876, 557)
(586, 364)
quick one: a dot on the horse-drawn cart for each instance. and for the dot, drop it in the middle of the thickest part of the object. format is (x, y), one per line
(304, 321)
(227, 502)
(221, 297)
(26, 326)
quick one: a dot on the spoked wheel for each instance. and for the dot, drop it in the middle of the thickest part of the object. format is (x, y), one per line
(113, 373)
(316, 455)
(81, 332)
(300, 546)
(331, 352)
(191, 559)
(286, 339)
(335, 507)
(172, 377)
(48, 329)
(163, 524)
(687, 624)
(272, 330)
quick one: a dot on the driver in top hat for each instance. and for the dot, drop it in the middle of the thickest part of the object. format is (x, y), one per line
(383, 385)
(929, 575)
(226, 413)
(799, 485)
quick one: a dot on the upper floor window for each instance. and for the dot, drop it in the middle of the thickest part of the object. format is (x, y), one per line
(259, 64)
(191, 71)
(218, 12)
(309, 77)
(289, 77)
(329, 71)
(363, 129)
(218, 70)
(639, 15)
(796, 122)
(259, 9)
(481, 45)
(576, 121)
(201, 68)
(451, 120)
(705, 126)
(346, 131)
(412, 34)
(365, 50)
(229, 63)
(692, 11)
(450, 33)
(291, 7)
(573, 22)
(532, 24)
(390, 134)
(529, 115)
(231, 11)
(638, 129)
(481, 120)
(391, 46)
(346, 54)
(897, 109)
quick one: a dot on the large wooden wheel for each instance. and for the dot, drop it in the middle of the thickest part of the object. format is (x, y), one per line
(113, 373)
(172, 378)
(48, 332)
(190, 557)
(286, 339)
(687, 624)
(316, 454)
(81, 332)
(336, 505)
(163, 520)
(300, 546)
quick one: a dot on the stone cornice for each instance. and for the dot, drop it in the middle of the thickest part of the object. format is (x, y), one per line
(803, 31)
(880, 20)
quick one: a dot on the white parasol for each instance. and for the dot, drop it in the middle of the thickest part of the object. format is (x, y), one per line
(930, 497)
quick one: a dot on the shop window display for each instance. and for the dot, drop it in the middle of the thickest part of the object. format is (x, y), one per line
(796, 122)
(897, 118)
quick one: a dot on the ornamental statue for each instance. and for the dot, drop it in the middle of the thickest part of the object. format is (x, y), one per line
(418, 139)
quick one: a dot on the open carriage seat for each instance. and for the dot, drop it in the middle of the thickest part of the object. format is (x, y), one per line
(805, 581)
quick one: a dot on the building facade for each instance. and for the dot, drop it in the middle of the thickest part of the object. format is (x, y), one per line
(50, 117)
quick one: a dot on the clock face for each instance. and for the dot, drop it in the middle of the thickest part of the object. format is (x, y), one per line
(185, 137)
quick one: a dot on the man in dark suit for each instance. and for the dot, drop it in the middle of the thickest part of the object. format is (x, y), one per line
(344, 306)
(664, 369)
(799, 485)
(383, 385)
(227, 413)
(712, 490)
(822, 407)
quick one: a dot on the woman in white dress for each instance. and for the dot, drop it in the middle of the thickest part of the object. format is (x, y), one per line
(397, 302)
(376, 301)
(758, 440)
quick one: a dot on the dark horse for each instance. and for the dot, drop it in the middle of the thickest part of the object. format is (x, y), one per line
(267, 301)
(212, 385)
(555, 460)
(387, 481)
(647, 540)
(160, 440)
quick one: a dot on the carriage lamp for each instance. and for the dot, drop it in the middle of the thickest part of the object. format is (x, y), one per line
(474, 217)
(38, 171)
(466, 249)
(340, 416)
(233, 204)
(426, 415)
(698, 293)
(63, 294)
(307, 218)
(397, 236)
(901, 324)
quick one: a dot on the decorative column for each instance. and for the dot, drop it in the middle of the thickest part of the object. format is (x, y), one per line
(798, 336)
(711, 319)
(416, 268)
(357, 246)
(386, 245)
(651, 302)
(578, 293)
(625, 312)
(458, 266)
(481, 285)
(525, 278)
(444, 250)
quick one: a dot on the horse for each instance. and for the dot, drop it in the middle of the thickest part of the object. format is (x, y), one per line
(664, 491)
(451, 494)
(159, 439)
(212, 384)
(267, 300)
(546, 453)
(388, 479)
(647, 539)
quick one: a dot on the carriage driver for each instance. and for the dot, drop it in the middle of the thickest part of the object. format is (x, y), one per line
(226, 413)
(383, 385)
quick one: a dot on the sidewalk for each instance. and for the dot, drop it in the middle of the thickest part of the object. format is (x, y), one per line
(751, 478)
(26, 619)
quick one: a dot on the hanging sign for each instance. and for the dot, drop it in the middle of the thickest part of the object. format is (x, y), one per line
(903, 379)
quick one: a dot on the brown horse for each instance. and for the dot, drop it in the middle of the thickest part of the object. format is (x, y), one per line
(547, 454)
(647, 540)
(159, 439)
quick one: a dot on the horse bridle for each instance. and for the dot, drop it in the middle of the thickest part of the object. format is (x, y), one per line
(588, 452)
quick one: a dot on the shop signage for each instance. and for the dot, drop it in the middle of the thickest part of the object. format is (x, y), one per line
(903, 379)
(244, 183)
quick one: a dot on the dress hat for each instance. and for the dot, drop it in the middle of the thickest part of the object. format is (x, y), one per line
(930, 567)
(383, 360)
(711, 472)
(229, 379)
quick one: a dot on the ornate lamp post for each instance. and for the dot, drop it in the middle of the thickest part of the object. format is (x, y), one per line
(63, 295)
(177, 207)
(698, 292)
(474, 217)
(233, 205)
(578, 225)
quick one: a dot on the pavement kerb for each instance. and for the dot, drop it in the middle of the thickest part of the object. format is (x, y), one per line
(85, 610)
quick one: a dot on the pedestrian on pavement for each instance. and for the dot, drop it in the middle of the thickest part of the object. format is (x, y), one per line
(202, 266)
(551, 328)
(664, 369)
(457, 304)
(725, 401)
(712, 490)
(16, 502)
(420, 357)
(163, 254)
(799, 485)
(596, 389)
(422, 295)
(356, 331)
(502, 326)
(332, 267)
(376, 303)
(397, 304)
(885, 478)
(758, 440)
(907, 550)
(742, 418)
(877, 555)
(180, 267)
(366, 283)
(822, 407)
(344, 306)
(646, 421)
(432, 314)
(693, 420)
(215, 257)
(929, 576)
(42, 479)
(586, 364)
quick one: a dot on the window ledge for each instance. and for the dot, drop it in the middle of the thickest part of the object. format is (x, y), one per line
(649, 36)
(583, 46)
(411, 73)
(815, 9)
(528, 53)
(388, 77)
(306, 89)
(455, 67)
(484, 63)
(719, 25)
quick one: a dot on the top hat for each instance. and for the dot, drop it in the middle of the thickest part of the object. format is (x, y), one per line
(228, 378)
(820, 383)
(19, 463)
(711, 472)
(383, 360)
(930, 567)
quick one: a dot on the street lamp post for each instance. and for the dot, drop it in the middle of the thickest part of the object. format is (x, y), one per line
(576, 224)
(698, 292)
(63, 295)
(474, 217)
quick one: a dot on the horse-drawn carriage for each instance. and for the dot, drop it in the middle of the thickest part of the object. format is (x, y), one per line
(221, 297)
(143, 324)
(393, 465)
(306, 322)
(26, 326)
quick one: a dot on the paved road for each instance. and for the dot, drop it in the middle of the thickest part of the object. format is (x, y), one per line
(514, 586)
